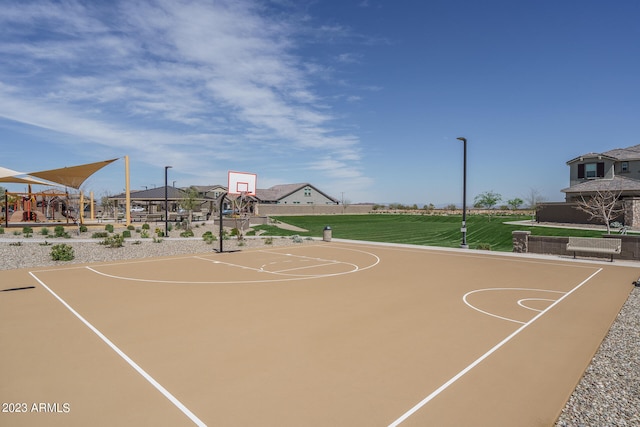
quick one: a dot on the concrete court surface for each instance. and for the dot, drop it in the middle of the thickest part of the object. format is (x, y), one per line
(340, 334)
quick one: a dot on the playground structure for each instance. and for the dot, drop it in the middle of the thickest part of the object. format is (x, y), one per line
(52, 205)
(45, 206)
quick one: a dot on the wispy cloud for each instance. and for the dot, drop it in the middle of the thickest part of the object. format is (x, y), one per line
(188, 80)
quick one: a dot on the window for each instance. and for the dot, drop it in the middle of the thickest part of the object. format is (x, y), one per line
(591, 170)
(624, 167)
(307, 192)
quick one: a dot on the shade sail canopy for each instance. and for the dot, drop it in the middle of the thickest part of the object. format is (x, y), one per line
(72, 176)
(9, 175)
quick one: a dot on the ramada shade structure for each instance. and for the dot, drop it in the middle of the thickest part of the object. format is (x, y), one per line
(72, 176)
(15, 177)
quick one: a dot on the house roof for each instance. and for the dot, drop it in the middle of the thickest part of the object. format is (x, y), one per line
(157, 193)
(619, 154)
(629, 153)
(618, 183)
(207, 188)
(278, 192)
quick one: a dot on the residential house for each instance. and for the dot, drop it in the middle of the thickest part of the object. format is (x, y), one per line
(616, 171)
(152, 200)
(294, 194)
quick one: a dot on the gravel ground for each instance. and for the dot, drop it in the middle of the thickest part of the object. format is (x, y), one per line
(609, 392)
(607, 395)
(17, 251)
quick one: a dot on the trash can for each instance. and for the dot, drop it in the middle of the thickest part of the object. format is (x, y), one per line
(326, 234)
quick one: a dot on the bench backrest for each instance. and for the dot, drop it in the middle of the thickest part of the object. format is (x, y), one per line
(595, 242)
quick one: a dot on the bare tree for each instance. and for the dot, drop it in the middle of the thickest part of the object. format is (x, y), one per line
(241, 213)
(534, 198)
(603, 206)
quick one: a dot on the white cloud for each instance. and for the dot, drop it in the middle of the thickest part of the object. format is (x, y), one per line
(171, 79)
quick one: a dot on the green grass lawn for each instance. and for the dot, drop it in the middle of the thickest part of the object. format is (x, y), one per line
(430, 230)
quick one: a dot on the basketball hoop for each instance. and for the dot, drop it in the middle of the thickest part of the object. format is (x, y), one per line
(242, 183)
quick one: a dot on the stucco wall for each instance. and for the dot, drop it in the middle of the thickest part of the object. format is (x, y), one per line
(523, 242)
(275, 210)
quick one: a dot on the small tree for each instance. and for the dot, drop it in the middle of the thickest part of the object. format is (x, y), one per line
(514, 204)
(486, 200)
(603, 206)
(108, 205)
(189, 203)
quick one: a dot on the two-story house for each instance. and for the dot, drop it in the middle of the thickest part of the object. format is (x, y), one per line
(616, 170)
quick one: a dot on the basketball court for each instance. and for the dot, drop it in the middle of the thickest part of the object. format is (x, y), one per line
(325, 333)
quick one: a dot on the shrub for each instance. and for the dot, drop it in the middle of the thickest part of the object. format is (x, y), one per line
(58, 231)
(144, 234)
(208, 237)
(62, 252)
(145, 226)
(126, 233)
(234, 232)
(17, 233)
(83, 228)
(45, 243)
(484, 246)
(1, 230)
(44, 231)
(109, 228)
(114, 241)
(130, 227)
(27, 231)
(186, 233)
(157, 239)
(268, 241)
(100, 235)
(15, 244)
(296, 238)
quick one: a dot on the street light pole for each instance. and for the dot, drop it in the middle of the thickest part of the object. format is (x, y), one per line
(464, 245)
(166, 203)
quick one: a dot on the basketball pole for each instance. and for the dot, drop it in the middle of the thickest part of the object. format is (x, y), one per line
(464, 244)
(220, 210)
(166, 202)
(127, 190)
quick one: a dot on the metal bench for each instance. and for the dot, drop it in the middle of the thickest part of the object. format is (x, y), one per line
(594, 245)
(153, 217)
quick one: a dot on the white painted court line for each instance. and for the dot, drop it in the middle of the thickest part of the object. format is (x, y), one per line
(475, 363)
(280, 277)
(522, 302)
(466, 301)
(355, 267)
(126, 358)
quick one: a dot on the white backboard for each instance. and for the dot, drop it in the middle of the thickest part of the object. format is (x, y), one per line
(242, 183)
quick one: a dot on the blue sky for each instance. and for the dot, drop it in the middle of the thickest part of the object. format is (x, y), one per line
(364, 99)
